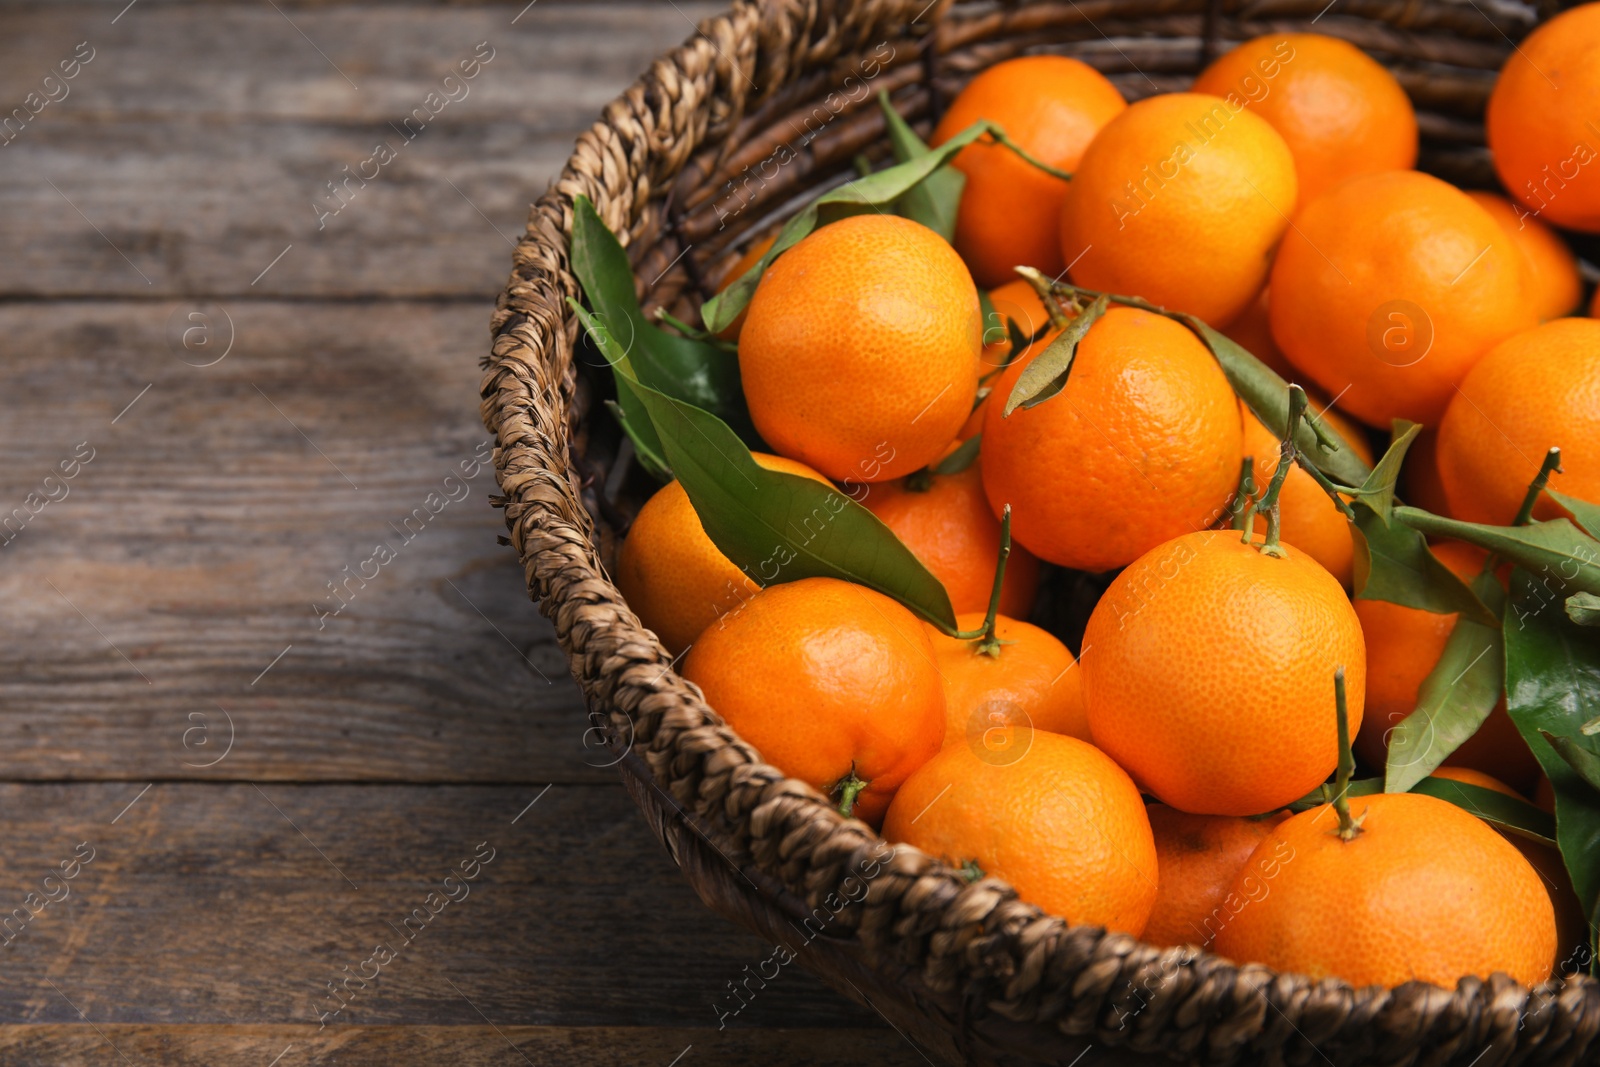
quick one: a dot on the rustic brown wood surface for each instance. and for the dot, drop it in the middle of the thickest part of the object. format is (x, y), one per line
(266, 679)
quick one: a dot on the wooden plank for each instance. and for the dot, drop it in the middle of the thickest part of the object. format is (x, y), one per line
(461, 1046)
(142, 607)
(224, 903)
(190, 153)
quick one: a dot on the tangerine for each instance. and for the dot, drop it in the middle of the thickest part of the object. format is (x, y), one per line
(1052, 106)
(834, 683)
(946, 522)
(1180, 200)
(671, 574)
(1552, 270)
(1339, 111)
(859, 356)
(1389, 288)
(1142, 444)
(1423, 892)
(995, 702)
(1245, 646)
(1539, 120)
(1200, 857)
(1536, 390)
(1062, 823)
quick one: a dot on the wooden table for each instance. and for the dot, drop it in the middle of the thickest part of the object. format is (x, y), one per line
(267, 680)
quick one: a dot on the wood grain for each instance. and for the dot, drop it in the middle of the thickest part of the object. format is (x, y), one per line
(219, 903)
(200, 536)
(197, 180)
(462, 1046)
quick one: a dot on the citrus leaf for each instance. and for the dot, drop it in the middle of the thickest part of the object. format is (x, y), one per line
(1585, 761)
(1553, 686)
(779, 527)
(934, 201)
(1046, 375)
(1556, 550)
(1584, 609)
(1505, 812)
(873, 192)
(993, 322)
(1455, 697)
(1586, 514)
(1393, 563)
(1267, 395)
(643, 436)
(1378, 489)
(961, 458)
(1494, 807)
(691, 370)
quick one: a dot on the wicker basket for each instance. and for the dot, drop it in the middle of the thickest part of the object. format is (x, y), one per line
(685, 168)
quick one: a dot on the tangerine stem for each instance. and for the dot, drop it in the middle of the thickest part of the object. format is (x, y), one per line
(1286, 457)
(1047, 296)
(1244, 501)
(1001, 137)
(1348, 827)
(849, 787)
(1551, 465)
(987, 644)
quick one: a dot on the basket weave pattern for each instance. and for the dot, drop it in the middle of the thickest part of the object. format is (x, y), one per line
(767, 105)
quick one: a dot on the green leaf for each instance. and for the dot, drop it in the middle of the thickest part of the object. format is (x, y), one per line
(1454, 699)
(1586, 514)
(1492, 806)
(1394, 563)
(1553, 686)
(1046, 375)
(695, 371)
(1505, 812)
(874, 192)
(643, 435)
(935, 200)
(1584, 609)
(1267, 394)
(1563, 555)
(1378, 489)
(1582, 759)
(994, 323)
(779, 527)
(961, 458)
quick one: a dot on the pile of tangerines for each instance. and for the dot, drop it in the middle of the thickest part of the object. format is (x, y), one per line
(1186, 776)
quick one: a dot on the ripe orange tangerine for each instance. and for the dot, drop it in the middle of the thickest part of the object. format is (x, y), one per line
(1208, 672)
(1052, 106)
(995, 703)
(1062, 823)
(828, 680)
(1142, 444)
(859, 355)
(1180, 200)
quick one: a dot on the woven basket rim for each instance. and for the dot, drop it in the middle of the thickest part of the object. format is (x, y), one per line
(529, 393)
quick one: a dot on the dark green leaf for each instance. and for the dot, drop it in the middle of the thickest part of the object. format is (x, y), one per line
(1553, 686)
(780, 527)
(1505, 812)
(1268, 396)
(643, 436)
(961, 458)
(699, 373)
(934, 201)
(1586, 514)
(1455, 697)
(874, 192)
(1393, 563)
(1492, 806)
(1584, 609)
(1046, 375)
(1563, 555)
(1582, 759)
(994, 323)
(1378, 490)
